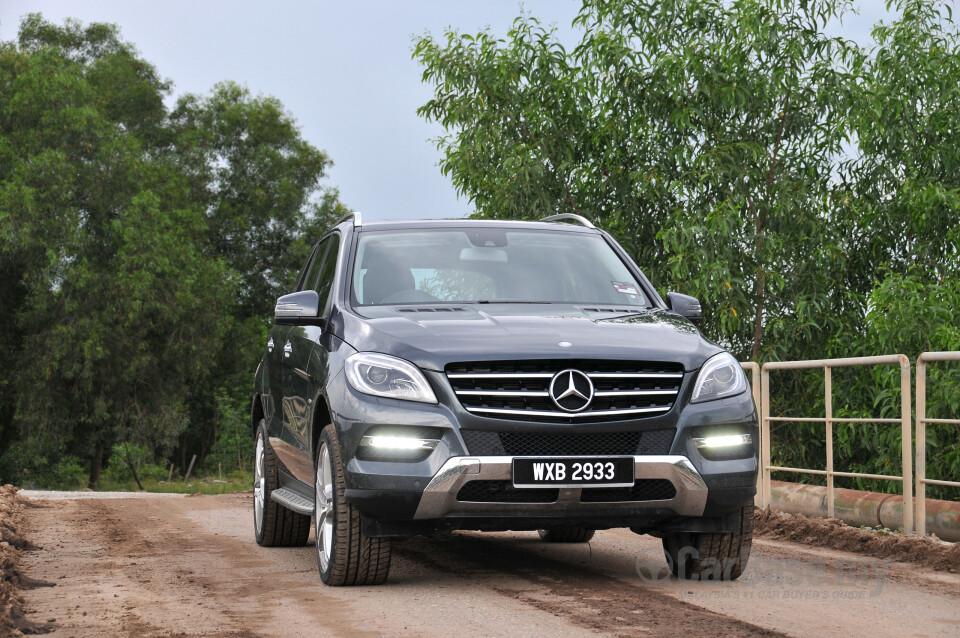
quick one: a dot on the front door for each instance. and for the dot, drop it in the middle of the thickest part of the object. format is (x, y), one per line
(291, 352)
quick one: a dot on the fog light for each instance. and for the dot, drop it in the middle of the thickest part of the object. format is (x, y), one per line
(730, 440)
(398, 442)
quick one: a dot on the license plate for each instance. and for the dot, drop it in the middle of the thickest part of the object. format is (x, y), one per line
(586, 471)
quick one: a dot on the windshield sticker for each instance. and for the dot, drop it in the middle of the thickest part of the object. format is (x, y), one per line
(627, 289)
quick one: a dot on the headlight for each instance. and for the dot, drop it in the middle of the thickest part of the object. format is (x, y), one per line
(719, 377)
(387, 376)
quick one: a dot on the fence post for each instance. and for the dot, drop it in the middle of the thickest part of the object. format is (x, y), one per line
(828, 404)
(921, 518)
(765, 436)
(906, 430)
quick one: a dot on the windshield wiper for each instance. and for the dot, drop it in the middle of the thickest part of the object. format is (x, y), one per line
(639, 313)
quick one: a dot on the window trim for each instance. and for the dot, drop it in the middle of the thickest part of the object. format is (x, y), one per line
(313, 256)
(328, 303)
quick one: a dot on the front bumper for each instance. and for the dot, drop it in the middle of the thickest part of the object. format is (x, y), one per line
(439, 499)
(406, 498)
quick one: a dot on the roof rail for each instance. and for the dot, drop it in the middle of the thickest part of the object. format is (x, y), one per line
(583, 221)
(354, 215)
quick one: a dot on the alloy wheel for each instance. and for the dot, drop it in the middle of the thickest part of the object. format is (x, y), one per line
(324, 507)
(259, 484)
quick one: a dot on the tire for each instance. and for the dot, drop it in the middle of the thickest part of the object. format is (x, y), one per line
(344, 555)
(566, 535)
(273, 524)
(702, 556)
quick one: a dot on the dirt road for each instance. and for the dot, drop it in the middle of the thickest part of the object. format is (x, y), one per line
(188, 566)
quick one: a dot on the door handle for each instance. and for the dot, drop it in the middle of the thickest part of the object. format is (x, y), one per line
(287, 349)
(270, 345)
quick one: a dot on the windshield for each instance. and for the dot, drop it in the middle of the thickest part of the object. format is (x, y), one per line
(490, 265)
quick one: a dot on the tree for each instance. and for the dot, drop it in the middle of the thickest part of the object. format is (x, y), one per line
(703, 134)
(905, 176)
(142, 249)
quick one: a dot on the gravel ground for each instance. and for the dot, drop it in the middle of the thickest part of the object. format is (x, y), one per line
(143, 566)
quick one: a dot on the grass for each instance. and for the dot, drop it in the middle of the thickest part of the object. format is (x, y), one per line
(233, 482)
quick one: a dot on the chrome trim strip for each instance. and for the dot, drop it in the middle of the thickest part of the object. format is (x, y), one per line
(502, 393)
(439, 498)
(635, 393)
(550, 375)
(635, 375)
(586, 413)
(500, 375)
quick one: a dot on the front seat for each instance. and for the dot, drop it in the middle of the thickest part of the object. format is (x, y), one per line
(384, 279)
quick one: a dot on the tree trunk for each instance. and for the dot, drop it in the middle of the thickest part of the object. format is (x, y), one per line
(136, 477)
(758, 320)
(96, 465)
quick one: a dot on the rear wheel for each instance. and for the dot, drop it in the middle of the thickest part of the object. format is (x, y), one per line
(273, 524)
(344, 555)
(701, 556)
(566, 535)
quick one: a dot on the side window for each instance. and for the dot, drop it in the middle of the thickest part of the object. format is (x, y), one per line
(310, 277)
(329, 269)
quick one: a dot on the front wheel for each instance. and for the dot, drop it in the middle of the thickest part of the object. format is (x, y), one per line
(703, 556)
(344, 555)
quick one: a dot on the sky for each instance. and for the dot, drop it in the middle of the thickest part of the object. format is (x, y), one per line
(343, 69)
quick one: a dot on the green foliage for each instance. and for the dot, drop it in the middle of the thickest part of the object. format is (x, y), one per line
(141, 250)
(234, 447)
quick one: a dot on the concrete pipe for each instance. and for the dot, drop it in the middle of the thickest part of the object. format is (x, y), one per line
(870, 509)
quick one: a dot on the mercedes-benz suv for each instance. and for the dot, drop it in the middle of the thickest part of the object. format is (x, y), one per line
(432, 376)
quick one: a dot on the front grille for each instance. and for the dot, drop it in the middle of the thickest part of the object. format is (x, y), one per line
(642, 490)
(482, 443)
(504, 492)
(520, 390)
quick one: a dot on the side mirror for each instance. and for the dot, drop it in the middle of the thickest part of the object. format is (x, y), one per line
(685, 306)
(298, 308)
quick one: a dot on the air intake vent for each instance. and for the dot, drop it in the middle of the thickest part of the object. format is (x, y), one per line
(437, 309)
(483, 443)
(642, 490)
(504, 492)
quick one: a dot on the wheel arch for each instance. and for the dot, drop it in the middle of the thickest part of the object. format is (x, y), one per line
(321, 419)
(256, 414)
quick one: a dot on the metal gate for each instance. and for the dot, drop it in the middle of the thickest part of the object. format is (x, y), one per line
(828, 420)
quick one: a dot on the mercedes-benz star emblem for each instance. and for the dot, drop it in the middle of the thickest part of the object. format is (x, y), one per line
(571, 390)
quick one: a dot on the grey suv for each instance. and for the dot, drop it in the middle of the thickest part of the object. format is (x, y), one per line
(433, 376)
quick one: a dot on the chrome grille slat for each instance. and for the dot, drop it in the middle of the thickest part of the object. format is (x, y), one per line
(636, 393)
(487, 375)
(572, 415)
(520, 390)
(635, 375)
(503, 393)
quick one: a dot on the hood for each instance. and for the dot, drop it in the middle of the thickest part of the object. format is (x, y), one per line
(433, 336)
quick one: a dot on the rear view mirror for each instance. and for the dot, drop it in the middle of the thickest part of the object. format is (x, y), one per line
(685, 306)
(483, 254)
(298, 308)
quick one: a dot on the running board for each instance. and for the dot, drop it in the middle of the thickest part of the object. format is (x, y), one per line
(292, 501)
